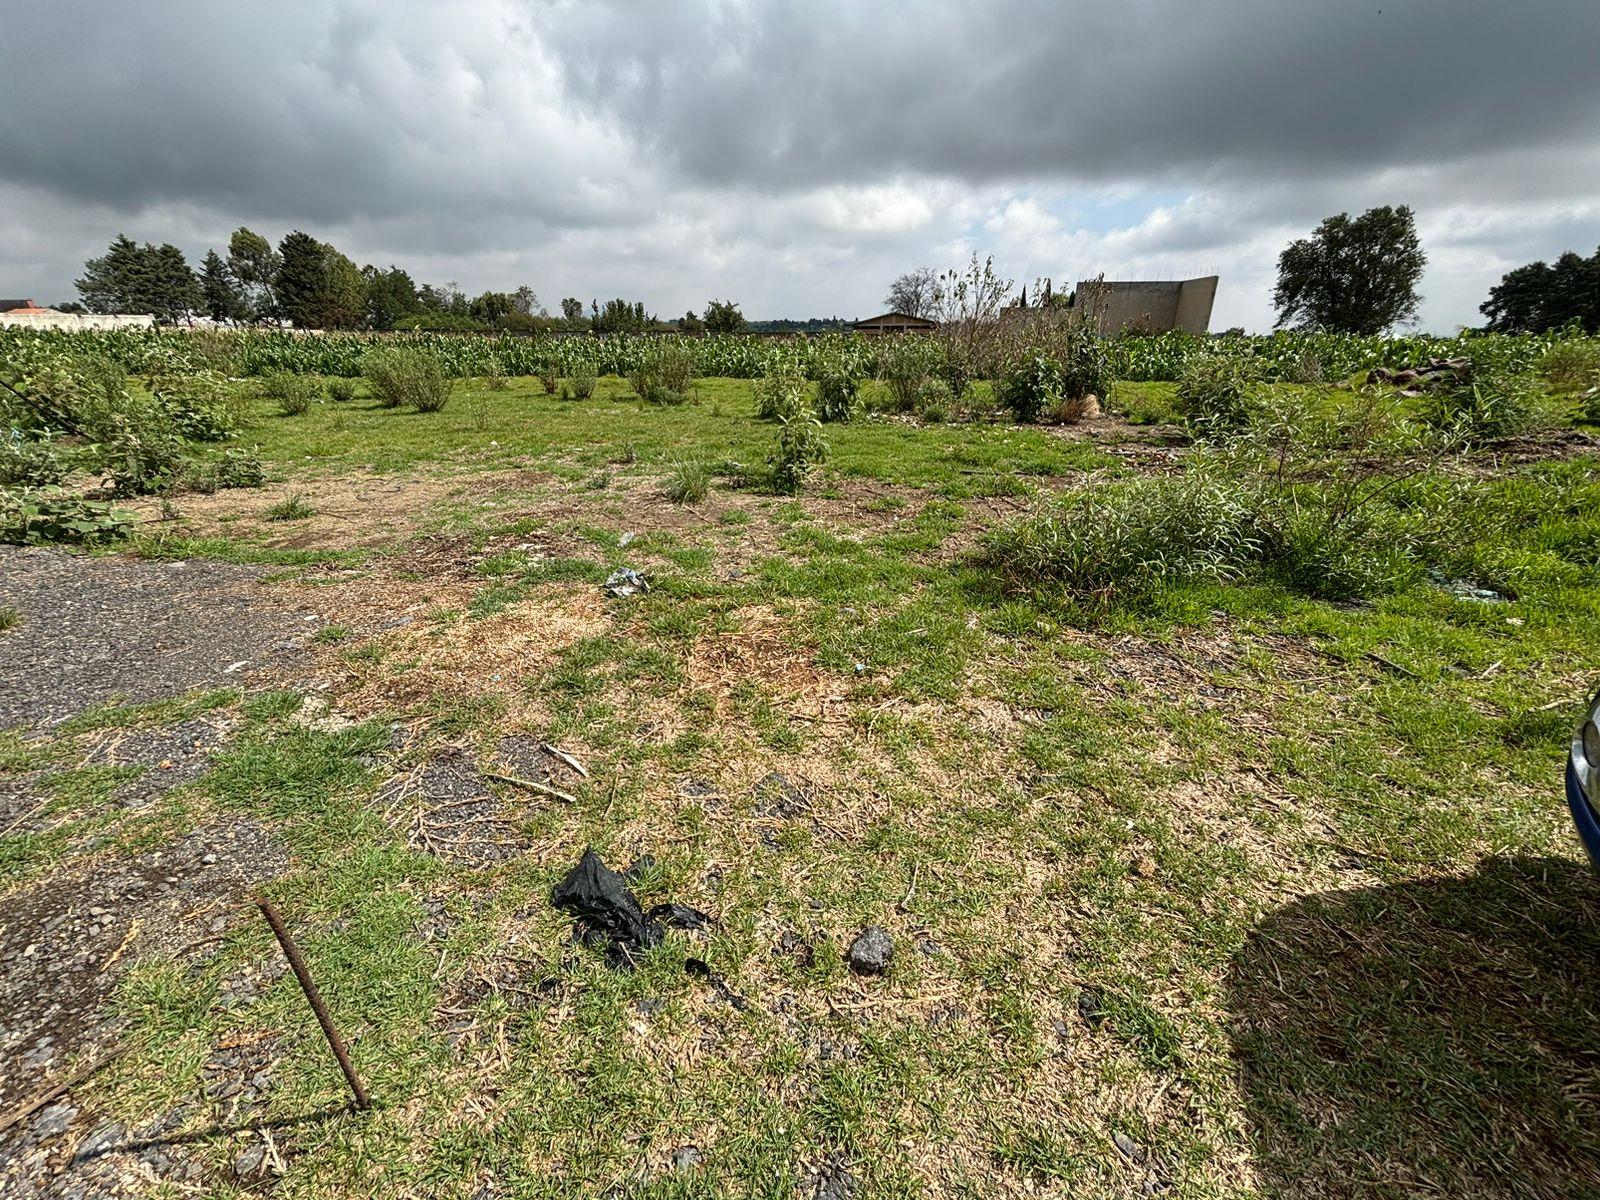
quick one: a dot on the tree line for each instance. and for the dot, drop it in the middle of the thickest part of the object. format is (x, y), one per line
(312, 285)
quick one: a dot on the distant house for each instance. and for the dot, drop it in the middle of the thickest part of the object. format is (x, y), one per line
(25, 314)
(1150, 306)
(895, 322)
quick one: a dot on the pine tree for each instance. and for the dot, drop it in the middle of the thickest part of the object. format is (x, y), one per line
(111, 283)
(218, 290)
(299, 286)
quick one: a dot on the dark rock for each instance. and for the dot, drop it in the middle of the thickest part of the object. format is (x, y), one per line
(1127, 1147)
(53, 1121)
(1091, 1007)
(871, 952)
(686, 1158)
(250, 1163)
(831, 1180)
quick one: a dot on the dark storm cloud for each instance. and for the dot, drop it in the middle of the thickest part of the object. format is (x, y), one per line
(797, 154)
(1152, 89)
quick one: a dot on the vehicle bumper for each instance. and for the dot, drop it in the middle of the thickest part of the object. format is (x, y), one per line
(1583, 816)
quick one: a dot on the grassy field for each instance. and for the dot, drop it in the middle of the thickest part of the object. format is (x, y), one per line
(1232, 892)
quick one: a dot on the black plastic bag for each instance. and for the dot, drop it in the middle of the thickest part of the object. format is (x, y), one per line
(609, 916)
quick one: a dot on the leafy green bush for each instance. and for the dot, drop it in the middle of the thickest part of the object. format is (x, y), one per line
(550, 378)
(904, 361)
(494, 376)
(341, 390)
(1031, 386)
(1217, 394)
(34, 516)
(934, 401)
(197, 404)
(581, 385)
(779, 397)
(293, 394)
(837, 393)
(688, 481)
(29, 462)
(800, 449)
(402, 375)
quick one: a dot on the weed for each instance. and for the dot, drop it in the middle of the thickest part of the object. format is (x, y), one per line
(688, 481)
(1217, 394)
(293, 394)
(341, 390)
(295, 508)
(10, 618)
(1485, 406)
(399, 376)
(837, 396)
(800, 448)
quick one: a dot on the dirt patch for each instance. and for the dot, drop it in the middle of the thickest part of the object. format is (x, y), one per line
(113, 630)
(365, 509)
(500, 655)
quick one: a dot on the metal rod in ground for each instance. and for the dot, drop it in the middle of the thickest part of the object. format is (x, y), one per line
(298, 965)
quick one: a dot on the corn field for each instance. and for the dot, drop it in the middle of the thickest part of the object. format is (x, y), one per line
(1286, 355)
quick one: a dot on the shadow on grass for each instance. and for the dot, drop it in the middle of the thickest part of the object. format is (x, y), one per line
(1440, 1037)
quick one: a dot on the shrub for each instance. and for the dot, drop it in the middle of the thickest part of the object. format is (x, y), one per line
(240, 469)
(29, 462)
(779, 397)
(140, 451)
(800, 448)
(904, 361)
(1484, 406)
(837, 393)
(400, 375)
(494, 375)
(550, 378)
(582, 383)
(198, 405)
(1127, 537)
(33, 516)
(688, 481)
(341, 390)
(1217, 393)
(934, 401)
(1030, 387)
(293, 394)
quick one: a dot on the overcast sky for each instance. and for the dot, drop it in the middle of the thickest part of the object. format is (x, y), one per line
(796, 156)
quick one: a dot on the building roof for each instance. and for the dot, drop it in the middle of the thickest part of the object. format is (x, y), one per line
(897, 318)
(9, 305)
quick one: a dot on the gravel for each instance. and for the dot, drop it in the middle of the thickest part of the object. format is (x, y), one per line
(102, 630)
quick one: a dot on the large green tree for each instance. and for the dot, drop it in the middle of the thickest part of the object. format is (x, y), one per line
(253, 265)
(1540, 297)
(130, 278)
(316, 287)
(723, 316)
(219, 293)
(299, 283)
(391, 296)
(1354, 274)
(117, 281)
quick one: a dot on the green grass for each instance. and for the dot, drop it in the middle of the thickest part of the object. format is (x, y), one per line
(1277, 891)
